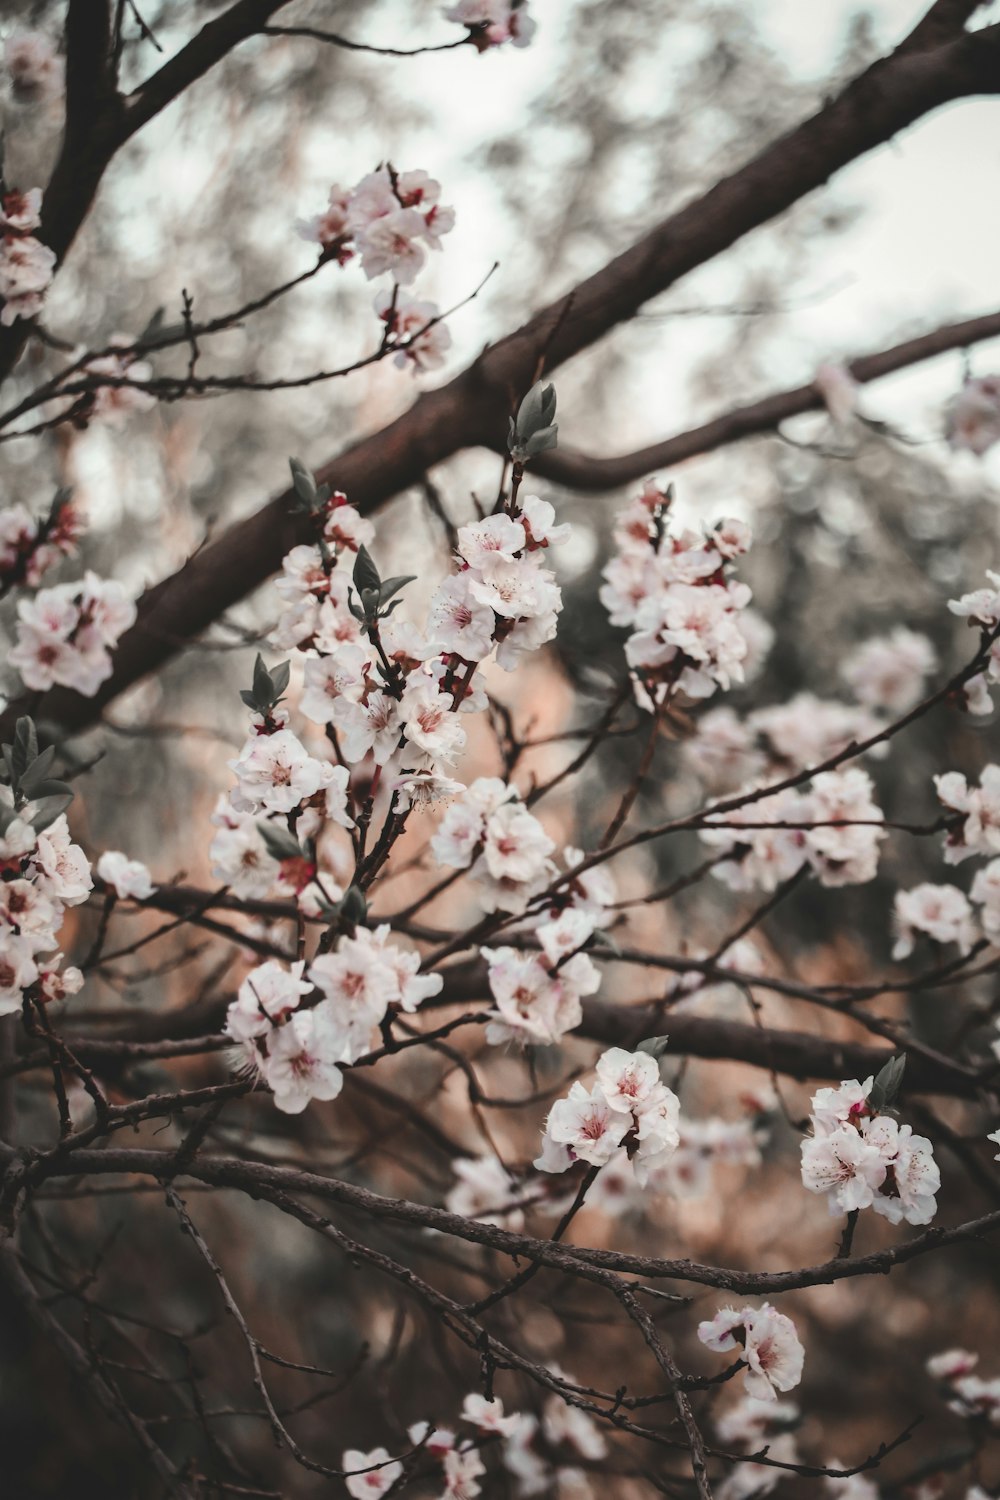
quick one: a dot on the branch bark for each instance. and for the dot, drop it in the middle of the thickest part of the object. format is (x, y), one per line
(472, 409)
(582, 471)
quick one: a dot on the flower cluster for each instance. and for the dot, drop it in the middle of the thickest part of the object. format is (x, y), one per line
(770, 1347)
(33, 66)
(887, 672)
(942, 912)
(29, 546)
(835, 829)
(128, 878)
(628, 1105)
(42, 872)
(492, 22)
(751, 1426)
(861, 1158)
(414, 329)
(26, 265)
(671, 588)
(489, 831)
(387, 219)
(975, 828)
(969, 1395)
(65, 634)
(974, 418)
(298, 1051)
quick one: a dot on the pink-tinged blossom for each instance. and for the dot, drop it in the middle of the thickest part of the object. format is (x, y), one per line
(58, 983)
(437, 1441)
(974, 418)
(950, 1364)
(462, 1470)
(301, 1062)
(982, 606)
(59, 867)
(20, 213)
(808, 730)
(488, 1416)
(846, 855)
(847, 1104)
(482, 543)
(18, 970)
(371, 725)
(912, 1177)
(239, 856)
(761, 858)
(534, 1004)
(887, 673)
(977, 831)
(463, 826)
(267, 997)
(484, 1191)
(769, 1343)
(628, 1080)
(379, 1474)
(26, 271)
(493, 22)
(457, 622)
(515, 845)
(432, 730)
(417, 326)
(538, 519)
(276, 773)
(129, 878)
(975, 1397)
(845, 1166)
(33, 66)
(330, 228)
(942, 912)
(65, 634)
(35, 916)
(587, 1125)
(342, 674)
(422, 789)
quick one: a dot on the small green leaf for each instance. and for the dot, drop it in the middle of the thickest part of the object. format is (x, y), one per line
(393, 585)
(888, 1082)
(366, 574)
(655, 1046)
(354, 907)
(278, 841)
(47, 810)
(279, 678)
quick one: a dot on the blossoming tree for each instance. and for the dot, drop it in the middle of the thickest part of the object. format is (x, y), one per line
(424, 1072)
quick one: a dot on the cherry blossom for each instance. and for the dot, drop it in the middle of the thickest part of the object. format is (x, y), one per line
(974, 418)
(770, 1347)
(128, 877)
(462, 1468)
(417, 326)
(887, 673)
(483, 1190)
(26, 271)
(301, 1062)
(275, 773)
(65, 634)
(951, 1363)
(370, 1475)
(493, 22)
(977, 831)
(941, 911)
(488, 1416)
(267, 997)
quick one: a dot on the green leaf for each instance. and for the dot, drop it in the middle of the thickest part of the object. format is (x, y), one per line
(888, 1082)
(655, 1046)
(47, 809)
(303, 484)
(393, 585)
(279, 678)
(37, 771)
(25, 744)
(366, 575)
(354, 907)
(278, 841)
(263, 687)
(50, 787)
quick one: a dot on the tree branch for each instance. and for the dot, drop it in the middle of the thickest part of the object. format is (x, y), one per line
(472, 409)
(582, 471)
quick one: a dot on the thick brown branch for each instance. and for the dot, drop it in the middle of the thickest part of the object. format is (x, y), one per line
(582, 471)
